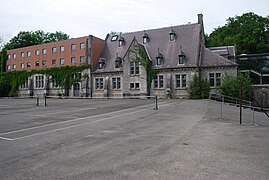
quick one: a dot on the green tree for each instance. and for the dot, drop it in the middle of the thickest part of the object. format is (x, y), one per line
(198, 88)
(30, 38)
(249, 32)
(230, 85)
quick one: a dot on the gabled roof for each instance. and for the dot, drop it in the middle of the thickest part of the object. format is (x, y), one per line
(186, 37)
(210, 59)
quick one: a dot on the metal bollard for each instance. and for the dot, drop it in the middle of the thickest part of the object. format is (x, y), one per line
(156, 103)
(37, 100)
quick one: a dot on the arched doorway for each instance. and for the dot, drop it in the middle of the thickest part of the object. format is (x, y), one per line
(76, 90)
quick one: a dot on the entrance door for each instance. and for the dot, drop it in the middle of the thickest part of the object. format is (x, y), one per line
(76, 89)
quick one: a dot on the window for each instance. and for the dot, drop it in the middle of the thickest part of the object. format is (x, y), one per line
(73, 60)
(8, 56)
(37, 63)
(134, 86)
(54, 50)
(101, 63)
(181, 81)
(121, 41)
(14, 56)
(145, 38)
(37, 52)
(28, 53)
(159, 59)
(134, 68)
(73, 47)
(214, 79)
(22, 54)
(82, 45)
(114, 38)
(118, 62)
(14, 66)
(53, 62)
(116, 83)
(181, 59)
(99, 83)
(62, 61)
(172, 35)
(62, 48)
(25, 84)
(39, 81)
(8, 67)
(44, 51)
(54, 82)
(158, 82)
(22, 66)
(44, 63)
(82, 59)
(28, 65)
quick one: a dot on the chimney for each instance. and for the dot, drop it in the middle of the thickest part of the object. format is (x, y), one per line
(200, 18)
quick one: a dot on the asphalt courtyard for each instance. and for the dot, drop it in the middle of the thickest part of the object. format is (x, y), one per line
(128, 139)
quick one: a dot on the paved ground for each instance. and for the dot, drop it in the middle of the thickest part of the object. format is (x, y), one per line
(127, 139)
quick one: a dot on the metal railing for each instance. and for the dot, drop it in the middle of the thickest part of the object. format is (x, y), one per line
(223, 99)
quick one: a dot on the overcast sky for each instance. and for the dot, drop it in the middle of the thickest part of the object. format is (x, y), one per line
(99, 17)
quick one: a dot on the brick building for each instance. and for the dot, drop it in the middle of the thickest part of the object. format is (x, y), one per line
(71, 52)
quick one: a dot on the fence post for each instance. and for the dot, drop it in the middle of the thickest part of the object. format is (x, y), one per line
(45, 100)
(156, 103)
(253, 110)
(37, 100)
(221, 107)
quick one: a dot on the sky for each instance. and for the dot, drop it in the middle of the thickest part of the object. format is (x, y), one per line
(98, 17)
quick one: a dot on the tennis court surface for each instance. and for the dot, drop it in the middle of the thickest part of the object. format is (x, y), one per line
(128, 139)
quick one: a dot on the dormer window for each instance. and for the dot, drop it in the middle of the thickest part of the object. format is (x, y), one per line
(159, 59)
(101, 63)
(172, 35)
(118, 62)
(181, 57)
(145, 38)
(121, 41)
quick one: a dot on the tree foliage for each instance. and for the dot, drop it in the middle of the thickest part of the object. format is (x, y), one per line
(230, 85)
(30, 38)
(249, 32)
(198, 88)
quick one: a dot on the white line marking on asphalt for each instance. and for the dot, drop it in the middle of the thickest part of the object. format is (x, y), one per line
(62, 122)
(82, 124)
(8, 139)
(77, 119)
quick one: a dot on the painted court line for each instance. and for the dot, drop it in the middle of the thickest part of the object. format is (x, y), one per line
(69, 127)
(62, 122)
(82, 124)
(8, 139)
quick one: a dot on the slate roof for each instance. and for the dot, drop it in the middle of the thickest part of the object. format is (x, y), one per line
(210, 59)
(187, 40)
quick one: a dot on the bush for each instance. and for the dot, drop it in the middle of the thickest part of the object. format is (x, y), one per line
(231, 85)
(198, 88)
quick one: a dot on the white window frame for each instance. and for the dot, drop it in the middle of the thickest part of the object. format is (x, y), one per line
(39, 81)
(116, 83)
(158, 82)
(181, 81)
(215, 79)
(99, 83)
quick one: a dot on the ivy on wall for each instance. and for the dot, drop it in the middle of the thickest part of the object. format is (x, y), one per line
(140, 55)
(64, 76)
